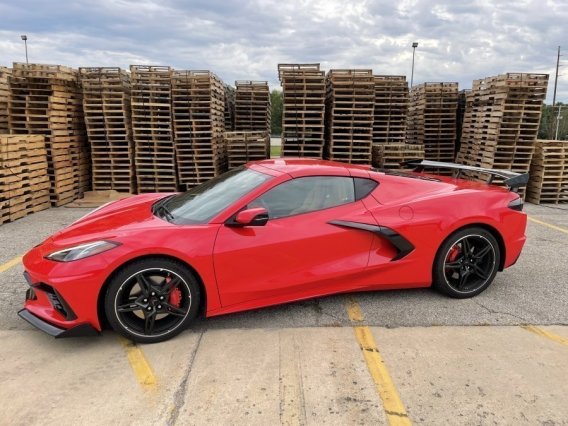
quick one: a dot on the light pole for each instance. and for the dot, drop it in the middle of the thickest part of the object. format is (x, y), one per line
(25, 38)
(414, 46)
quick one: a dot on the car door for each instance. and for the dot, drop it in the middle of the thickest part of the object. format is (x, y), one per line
(298, 253)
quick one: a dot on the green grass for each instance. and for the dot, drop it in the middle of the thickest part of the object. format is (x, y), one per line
(275, 151)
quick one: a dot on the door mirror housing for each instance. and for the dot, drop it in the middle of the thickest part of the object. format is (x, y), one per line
(257, 216)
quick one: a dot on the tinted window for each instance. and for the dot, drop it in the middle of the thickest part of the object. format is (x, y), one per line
(363, 187)
(303, 195)
(202, 203)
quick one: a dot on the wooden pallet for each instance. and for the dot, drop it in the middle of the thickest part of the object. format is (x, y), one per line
(198, 106)
(24, 182)
(252, 106)
(549, 173)
(303, 92)
(47, 100)
(391, 109)
(501, 121)
(432, 120)
(460, 114)
(243, 147)
(391, 155)
(230, 95)
(152, 130)
(106, 105)
(5, 73)
(350, 102)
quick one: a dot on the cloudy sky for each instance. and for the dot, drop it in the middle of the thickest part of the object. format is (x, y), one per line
(246, 39)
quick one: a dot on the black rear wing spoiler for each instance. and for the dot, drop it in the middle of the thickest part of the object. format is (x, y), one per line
(513, 180)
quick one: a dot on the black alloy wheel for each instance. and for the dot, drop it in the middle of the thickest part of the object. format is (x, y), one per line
(152, 301)
(466, 263)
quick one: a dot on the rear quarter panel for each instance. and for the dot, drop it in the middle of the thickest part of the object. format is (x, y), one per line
(426, 222)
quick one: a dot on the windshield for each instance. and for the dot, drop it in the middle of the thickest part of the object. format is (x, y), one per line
(202, 203)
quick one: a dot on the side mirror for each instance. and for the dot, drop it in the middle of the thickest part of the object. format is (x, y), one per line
(257, 216)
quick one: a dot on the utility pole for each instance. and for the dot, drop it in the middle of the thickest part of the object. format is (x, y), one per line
(554, 96)
(556, 78)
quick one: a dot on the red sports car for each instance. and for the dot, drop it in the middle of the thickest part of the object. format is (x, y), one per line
(271, 232)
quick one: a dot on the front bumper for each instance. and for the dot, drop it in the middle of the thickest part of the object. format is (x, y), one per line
(81, 330)
(63, 295)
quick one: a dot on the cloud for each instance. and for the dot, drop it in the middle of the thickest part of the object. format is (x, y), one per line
(247, 39)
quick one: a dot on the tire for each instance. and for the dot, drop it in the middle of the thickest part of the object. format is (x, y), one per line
(466, 263)
(152, 300)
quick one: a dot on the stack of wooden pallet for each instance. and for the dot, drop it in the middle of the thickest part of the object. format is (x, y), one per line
(501, 121)
(391, 109)
(24, 182)
(303, 92)
(549, 173)
(243, 147)
(350, 103)
(252, 106)
(106, 104)
(151, 105)
(4, 95)
(198, 101)
(462, 98)
(432, 119)
(46, 100)
(391, 155)
(229, 108)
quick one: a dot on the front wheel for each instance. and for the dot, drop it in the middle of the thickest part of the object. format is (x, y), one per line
(152, 300)
(466, 263)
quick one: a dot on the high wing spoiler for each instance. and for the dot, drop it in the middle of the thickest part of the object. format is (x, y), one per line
(513, 180)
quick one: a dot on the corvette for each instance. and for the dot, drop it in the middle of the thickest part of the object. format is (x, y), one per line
(271, 232)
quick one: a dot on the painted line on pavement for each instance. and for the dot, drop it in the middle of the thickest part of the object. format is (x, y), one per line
(549, 225)
(541, 332)
(392, 404)
(11, 263)
(140, 365)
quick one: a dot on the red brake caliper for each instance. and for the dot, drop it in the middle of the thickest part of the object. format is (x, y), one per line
(453, 254)
(175, 295)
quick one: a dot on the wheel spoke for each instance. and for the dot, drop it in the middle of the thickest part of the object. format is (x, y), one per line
(463, 279)
(149, 321)
(482, 253)
(170, 286)
(173, 310)
(453, 265)
(480, 272)
(466, 247)
(129, 307)
(144, 283)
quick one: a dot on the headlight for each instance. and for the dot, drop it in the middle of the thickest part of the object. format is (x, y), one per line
(81, 251)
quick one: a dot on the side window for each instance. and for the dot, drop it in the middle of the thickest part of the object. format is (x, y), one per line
(307, 194)
(364, 187)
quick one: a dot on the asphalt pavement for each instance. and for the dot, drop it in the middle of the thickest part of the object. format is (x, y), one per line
(499, 358)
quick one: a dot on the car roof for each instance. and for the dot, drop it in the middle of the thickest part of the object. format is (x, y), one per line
(296, 167)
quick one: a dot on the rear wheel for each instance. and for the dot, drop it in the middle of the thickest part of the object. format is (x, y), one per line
(466, 263)
(152, 300)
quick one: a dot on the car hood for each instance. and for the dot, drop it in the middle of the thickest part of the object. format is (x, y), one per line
(111, 221)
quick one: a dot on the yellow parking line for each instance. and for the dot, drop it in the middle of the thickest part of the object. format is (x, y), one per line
(540, 222)
(140, 365)
(392, 404)
(547, 334)
(10, 264)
